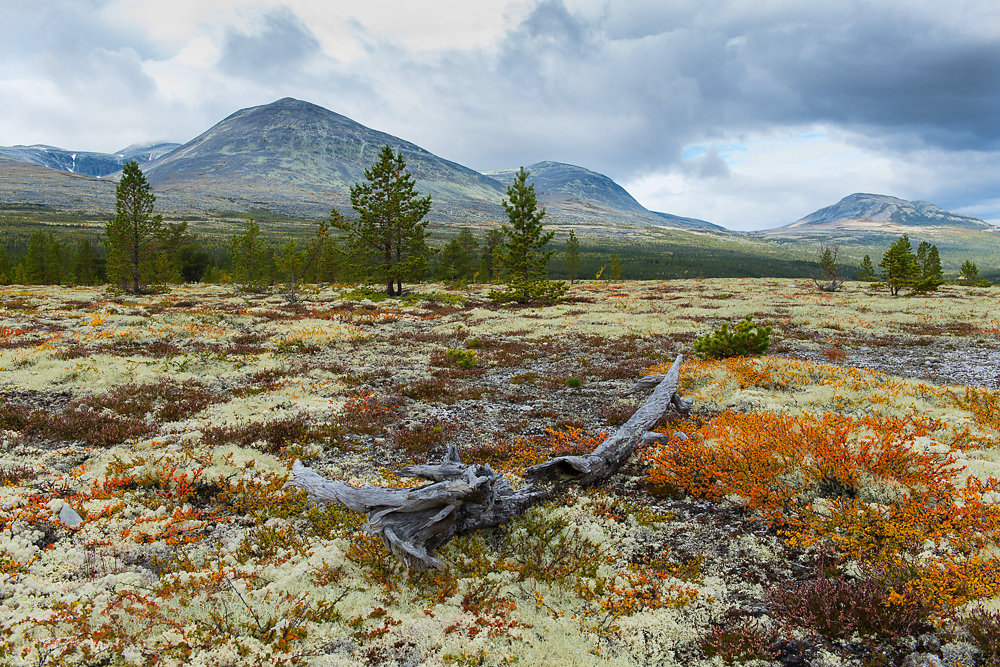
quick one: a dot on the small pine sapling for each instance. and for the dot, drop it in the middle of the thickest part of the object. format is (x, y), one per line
(746, 339)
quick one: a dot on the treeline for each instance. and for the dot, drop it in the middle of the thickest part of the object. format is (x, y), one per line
(50, 259)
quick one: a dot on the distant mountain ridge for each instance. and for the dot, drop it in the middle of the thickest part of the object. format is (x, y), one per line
(85, 162)
(866, 213)
(576, 193)
(557, 180)
(299, 159)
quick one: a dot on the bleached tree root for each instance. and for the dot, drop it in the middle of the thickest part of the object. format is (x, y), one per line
(463, 497)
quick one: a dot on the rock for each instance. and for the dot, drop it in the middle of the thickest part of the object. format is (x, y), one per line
(69, 516)
(922, 660)
(930, 642)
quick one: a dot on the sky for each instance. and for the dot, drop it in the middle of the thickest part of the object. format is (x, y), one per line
(749, 114)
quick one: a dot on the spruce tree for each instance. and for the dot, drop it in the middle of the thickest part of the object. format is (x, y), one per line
(572, 256)
(390, 236)
(134, 232)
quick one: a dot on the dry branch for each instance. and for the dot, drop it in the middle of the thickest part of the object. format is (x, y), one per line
(463, 497)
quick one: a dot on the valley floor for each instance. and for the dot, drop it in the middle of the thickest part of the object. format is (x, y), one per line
(853, 468)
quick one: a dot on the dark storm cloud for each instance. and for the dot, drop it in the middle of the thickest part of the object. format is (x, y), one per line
(627, 87)
(887, 74)
(273, 52)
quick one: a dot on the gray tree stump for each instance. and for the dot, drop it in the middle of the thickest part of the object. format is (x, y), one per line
(462, 497)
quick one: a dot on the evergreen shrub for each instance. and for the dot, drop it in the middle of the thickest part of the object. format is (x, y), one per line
(746, 339)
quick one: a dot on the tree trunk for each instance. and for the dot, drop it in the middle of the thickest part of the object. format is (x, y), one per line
(462, 497)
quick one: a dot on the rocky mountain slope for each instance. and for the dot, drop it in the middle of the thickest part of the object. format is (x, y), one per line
(296, 158)
(872, 214)
(86, 163)
(573, 193)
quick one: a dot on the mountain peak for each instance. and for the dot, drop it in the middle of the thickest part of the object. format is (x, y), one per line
(864, 212)
(304, 158)
(561, 183)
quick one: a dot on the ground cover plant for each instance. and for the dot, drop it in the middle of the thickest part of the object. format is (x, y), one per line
(834, 501)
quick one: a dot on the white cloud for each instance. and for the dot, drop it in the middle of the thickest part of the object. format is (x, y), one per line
(907, 92)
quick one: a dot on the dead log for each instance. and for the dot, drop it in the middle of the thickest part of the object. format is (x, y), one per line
(463, 497)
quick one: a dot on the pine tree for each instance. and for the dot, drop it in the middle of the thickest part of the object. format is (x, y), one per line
(899, 265)
(390, 236)
(488, 263)
(34, 261)
(5, 272)
(180, 256)
(572, 256)
(969, 271)
(134, 232)
(615, 268)
(458, 257)
(53, 261)
(866, 270)
(247, 252)
(83, 263)
(931, 275)
(522, 255)
(830, 267)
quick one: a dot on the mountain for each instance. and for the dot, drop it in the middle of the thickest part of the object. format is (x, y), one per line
(566, 185)
(691, 222)
(298, 158)
(83, 162)
(862, 214)
(573, 193)
(29, 185)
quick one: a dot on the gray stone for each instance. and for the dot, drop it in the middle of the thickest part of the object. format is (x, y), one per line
(922, 660)
(69, 516)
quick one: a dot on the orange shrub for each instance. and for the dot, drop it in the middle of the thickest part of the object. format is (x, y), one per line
(804, 474)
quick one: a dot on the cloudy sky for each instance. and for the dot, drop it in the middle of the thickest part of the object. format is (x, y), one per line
(749, 114)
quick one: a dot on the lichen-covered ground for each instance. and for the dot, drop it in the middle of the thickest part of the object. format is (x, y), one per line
(835, 502)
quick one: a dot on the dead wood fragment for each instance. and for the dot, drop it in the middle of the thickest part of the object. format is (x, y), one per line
(463, 497)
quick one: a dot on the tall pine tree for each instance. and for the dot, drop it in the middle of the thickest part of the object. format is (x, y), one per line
(522, 255)
(899, 265)
(572, 256)
(389, 238)
(132, 235)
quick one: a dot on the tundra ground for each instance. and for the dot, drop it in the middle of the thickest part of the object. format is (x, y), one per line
(835, 502)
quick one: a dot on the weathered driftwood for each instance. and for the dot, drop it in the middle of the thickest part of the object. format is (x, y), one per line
(463, 497)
